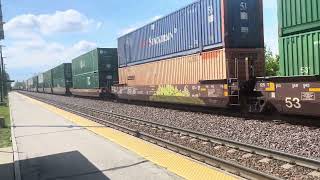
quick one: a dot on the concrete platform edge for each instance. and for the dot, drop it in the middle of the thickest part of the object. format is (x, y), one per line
(16, 159)
(172, 161)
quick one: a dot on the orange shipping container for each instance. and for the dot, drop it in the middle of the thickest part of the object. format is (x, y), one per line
(190, 69)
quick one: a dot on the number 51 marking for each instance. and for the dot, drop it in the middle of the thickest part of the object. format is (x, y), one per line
(293, 103)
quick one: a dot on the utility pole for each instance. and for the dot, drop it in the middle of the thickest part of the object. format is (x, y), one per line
(1, 66)
(2, 78)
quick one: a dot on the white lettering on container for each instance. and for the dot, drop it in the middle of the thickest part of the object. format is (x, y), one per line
(305, 70)
(162, 38)
(245, 29)
(210, 18)
(243, 6)
(244, 16)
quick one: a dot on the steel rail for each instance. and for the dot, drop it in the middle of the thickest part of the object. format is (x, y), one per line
(289, 158)
(203, 157)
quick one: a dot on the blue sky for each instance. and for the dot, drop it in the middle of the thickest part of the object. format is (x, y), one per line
(41, 34)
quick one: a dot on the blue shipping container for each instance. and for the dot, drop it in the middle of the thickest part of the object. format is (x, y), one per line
(202, 25)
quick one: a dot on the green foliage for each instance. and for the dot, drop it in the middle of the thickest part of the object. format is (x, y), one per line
(169, 90)
(5, 133)
(19, 85)
(272, 63)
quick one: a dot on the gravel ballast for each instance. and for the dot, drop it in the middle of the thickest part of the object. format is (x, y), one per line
(294, 139)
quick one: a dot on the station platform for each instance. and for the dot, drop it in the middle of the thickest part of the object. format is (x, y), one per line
(55, 144)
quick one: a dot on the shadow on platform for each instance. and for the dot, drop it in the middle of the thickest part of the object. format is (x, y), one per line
(70, 165)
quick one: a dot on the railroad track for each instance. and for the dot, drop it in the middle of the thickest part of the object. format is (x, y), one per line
(244, 160)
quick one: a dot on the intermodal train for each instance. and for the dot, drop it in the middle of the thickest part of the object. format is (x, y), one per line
(209, 53)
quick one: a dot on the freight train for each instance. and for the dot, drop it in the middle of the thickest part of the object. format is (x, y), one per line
(209, 53)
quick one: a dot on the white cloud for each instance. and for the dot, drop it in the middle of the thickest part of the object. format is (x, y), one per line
(138, 25)
(24, 60)
(47, 24)
(30, 49)
(44, 54)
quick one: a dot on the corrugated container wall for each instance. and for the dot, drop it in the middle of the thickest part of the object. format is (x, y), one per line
(40, 83)
(95, 69)
(211, 65)
(62, 76)
(181, 70)
(300, 54)
(29, 84)
(34, 85)
(47, 79)
(298, 16)
(202, 25)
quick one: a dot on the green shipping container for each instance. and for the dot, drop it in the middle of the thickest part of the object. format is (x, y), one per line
(62, 76)
(298, 16)
(34, 84)
(95, 69)
(300, 54)
(47, 81)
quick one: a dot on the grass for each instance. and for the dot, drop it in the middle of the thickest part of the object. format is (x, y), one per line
(5, 133)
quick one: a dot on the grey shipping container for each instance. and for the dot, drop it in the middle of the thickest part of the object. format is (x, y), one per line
(29, 84)
(97, 69)
(62, 79)
(40, 83)
(34, 85)
(200, 26)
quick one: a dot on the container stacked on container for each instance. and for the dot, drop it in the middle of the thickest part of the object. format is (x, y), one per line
(62, 79)
(29, 84)
(33, 84)
(297, 90)
(40, 83)
(95, 72)
(299, 31)
(191, 53)
(47, 81)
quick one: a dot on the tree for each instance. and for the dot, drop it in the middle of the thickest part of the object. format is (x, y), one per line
(19, 85)
(272, 63)
(7, 85)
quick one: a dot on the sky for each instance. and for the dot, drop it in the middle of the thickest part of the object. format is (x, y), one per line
(41, 34)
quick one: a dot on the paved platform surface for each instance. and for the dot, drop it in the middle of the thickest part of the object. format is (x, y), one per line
(6, 164)
(51, 147)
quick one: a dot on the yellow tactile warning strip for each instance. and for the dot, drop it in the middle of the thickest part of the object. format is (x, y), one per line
(173, 162)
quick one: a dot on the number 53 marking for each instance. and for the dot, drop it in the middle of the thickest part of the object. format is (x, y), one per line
(293, 103)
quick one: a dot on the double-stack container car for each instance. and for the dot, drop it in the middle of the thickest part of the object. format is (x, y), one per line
(297, 91)
(209, 53)
(29, 84)
(47, 81)
(201, 54)
(62, 79)
(94, 73)
(32, 84)
(40, 83)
